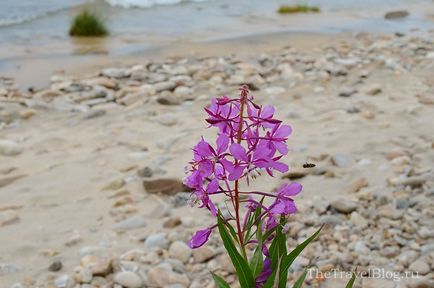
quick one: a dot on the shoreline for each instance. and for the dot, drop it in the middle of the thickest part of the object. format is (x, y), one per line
(22, 69)
(52, 53)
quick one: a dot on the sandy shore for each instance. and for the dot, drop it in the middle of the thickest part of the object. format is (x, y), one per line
(74, 156)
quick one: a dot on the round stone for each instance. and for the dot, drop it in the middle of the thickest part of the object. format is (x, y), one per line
(128, 279)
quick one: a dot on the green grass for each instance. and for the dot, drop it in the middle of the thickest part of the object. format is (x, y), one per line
(88, 24)
(286, 9)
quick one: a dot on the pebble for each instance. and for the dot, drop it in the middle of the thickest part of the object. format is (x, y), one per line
(179, 250)
(164, 86)
(98, 264)
(64, 281)
(407, 257)
(357, 185)
(402, 203)
(172, 222)
(341, 160)
(390, 212)
(95, 113)
(274, 90)
(344, 206)
(358, 220)
(163, 186)
(330, 219)
(373, 90)
(133, 222)
(420, 266)
(168, 99)
(145, 172)
(347, 92)
(167, 120)
(55, 266)
(8, 268)
(396, 14)
(115, 73)
(115, 185)
(83, 274)
(425, 232)
(163, 276)
(415, 181)
(203, 254)
(128, 279)
(10, 148)
(156, 241)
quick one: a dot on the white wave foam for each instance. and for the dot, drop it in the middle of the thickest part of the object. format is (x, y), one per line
(146, 3)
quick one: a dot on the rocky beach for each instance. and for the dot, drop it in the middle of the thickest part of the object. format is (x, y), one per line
(91, 167)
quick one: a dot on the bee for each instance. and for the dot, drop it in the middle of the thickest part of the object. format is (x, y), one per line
(308, 165)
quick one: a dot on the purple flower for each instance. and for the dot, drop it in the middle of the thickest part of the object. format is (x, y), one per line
(284, 205)
(203, 195)
(200, 238)
(267, 270)
(249, 141)
(276, 137)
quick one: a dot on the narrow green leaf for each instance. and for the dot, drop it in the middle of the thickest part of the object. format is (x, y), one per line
(233, 233)
(244, 273)
(275, 256)
(351, 282)
(283, 274)
(256, 264)
(300, 280)
(219, 281)
(289, 259)
(268, 234)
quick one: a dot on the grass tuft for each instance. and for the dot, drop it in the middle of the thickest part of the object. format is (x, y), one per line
(285, 9)
(88, 24)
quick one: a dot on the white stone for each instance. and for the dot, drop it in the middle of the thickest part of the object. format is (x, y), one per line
(128, 279)
(156, 241)
(10, 148)
(179, 250)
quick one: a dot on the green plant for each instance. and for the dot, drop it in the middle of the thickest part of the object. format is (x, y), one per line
(286, 9)
(88, 24)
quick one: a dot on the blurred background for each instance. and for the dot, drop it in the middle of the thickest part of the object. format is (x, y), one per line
(102, 101)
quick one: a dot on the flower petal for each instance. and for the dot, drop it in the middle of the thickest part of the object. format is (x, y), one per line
(236, 173)
(238, 152)
(200, 238)
(290, 189)
(213, 186)
(222, 143)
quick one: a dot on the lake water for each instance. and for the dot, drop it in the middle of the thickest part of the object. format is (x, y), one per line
(24, 19)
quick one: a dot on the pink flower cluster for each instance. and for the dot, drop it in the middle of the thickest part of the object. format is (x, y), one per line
(250, 141)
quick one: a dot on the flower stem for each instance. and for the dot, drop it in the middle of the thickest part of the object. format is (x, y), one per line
(243, 96)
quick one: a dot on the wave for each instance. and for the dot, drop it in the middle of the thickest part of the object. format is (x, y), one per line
(146, 3)
(15, 20)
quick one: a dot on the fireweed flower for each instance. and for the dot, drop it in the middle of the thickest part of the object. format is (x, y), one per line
(249, 141)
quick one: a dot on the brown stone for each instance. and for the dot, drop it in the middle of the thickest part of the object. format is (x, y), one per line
(164, 186)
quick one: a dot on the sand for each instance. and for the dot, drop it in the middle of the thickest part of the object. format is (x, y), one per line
(66, 159)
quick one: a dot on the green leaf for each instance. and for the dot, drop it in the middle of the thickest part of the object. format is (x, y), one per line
(351, 282)
(244, 273)
(300, 280)
(219, 281)
(257, 262)
(289, 259)
(276, 256)
(283, 274)
(233, 233)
